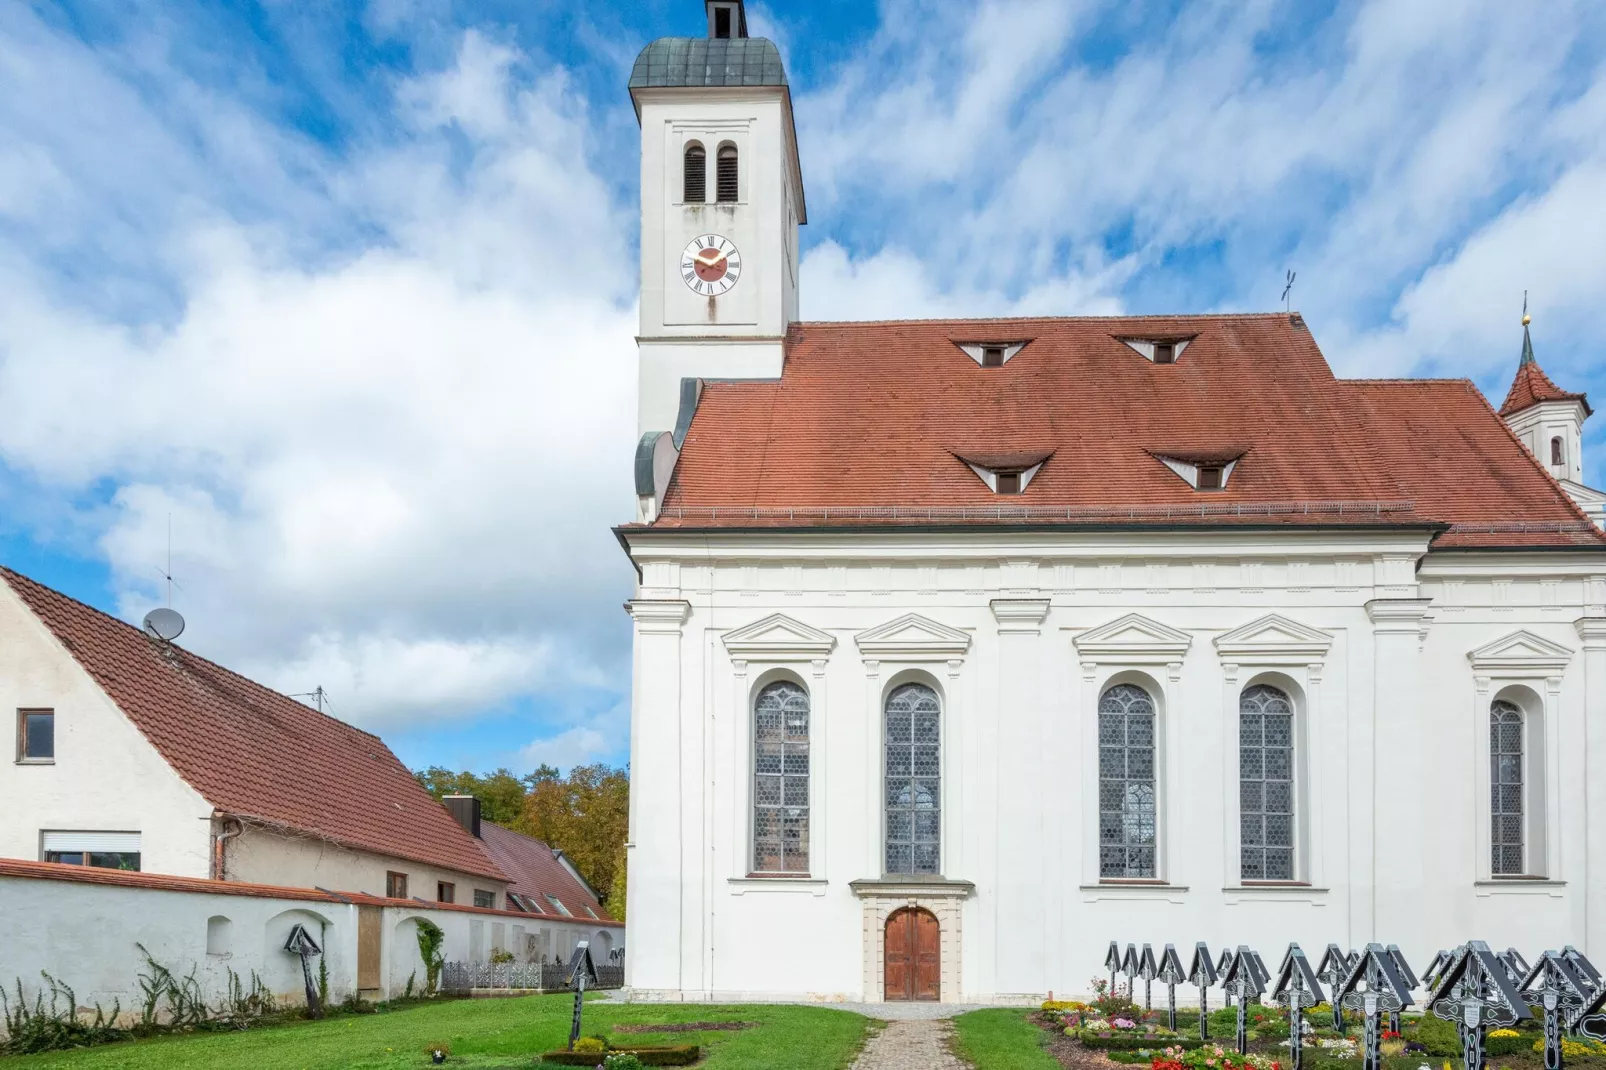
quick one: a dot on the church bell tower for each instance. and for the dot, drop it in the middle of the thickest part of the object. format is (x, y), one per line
(721, 201)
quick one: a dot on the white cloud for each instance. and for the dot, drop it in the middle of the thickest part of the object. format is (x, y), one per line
(390, 464)
(576, 746)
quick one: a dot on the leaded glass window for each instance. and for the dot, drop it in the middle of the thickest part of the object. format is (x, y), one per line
(1505, 788)
(1266, 784)
(1126, 783)
(913, 780)
(781, 779)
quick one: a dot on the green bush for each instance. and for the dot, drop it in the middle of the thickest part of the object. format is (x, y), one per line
(36, 1028)
(1438, 1036)
(1119, 1043)
(1501, 1046)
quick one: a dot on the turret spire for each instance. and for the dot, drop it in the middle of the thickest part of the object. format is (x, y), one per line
(1527, 342)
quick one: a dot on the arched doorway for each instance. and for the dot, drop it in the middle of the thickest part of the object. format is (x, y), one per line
(913, 955)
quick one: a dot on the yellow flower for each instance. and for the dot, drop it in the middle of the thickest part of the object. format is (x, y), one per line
(1504, 1033)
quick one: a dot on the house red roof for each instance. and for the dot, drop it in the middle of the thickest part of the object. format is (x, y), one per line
(534, 872)
(1531, 386)
(254, 753)
(869, 421)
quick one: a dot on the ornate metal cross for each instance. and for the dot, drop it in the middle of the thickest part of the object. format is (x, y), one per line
(1374, 986)
(1297, 988)
(1112, 962)
(1129, 966)
(1333, 970)
(1557, 988)
(1202, 975)
(301, 944)
(1148, 969)
(1242, 981)
(1474, 992)
(1171, 975)
(581, 970)
(1411, 982)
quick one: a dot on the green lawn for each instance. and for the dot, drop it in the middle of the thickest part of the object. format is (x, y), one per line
(1002, 1039)
(484, 1033)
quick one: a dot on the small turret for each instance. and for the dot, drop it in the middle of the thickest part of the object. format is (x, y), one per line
(1550, 422)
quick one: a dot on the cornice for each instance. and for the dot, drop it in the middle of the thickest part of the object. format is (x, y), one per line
(658, 614)
(1273, 640)
(1019, 614)
(1133, 638)
(910, 888)
(1592, 630)
(1521, 653)
(912, 637)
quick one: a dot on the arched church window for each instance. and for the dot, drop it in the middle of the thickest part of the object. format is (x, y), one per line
(696, 175)
(1126, 783)
(781, 779)
(1266, 784)
(913, 780)
(726, 193)
(1558, 452)
(1505, 788)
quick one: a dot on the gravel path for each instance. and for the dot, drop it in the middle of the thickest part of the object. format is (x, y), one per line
(912, 1044)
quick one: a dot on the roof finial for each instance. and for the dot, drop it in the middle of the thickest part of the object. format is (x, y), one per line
(1527, 343)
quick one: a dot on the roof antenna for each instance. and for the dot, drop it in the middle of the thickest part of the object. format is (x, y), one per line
(318, 696)
(165, 623)
(1288, 287)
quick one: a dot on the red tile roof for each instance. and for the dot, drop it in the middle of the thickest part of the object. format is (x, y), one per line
(122, 878)
(253, 753)
(1531, 386)
(535, 872)
(868, 421)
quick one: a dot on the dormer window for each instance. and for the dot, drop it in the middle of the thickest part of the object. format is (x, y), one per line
(992, 354)
(1202, 469)
(1159, 350)
(1005, 473)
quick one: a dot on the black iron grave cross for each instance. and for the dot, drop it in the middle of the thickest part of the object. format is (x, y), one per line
(581, 970)
(1171, 975)
(1374, 987)
(1297, 988)
(1561, 993)
(1241, 982)
(1112, 962)
(1333, 970)
(1475, 993)
(1411, 982)
(1202, 975)
(1148, 969)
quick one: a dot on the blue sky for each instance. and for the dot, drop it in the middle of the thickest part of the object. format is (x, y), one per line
(345, 292)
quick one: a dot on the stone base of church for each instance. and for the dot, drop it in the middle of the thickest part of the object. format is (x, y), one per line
(881, 898)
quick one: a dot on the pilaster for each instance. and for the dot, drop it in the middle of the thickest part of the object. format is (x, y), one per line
(1391, 882)
(1592, 630)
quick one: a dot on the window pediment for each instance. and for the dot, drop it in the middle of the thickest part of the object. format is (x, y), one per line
(1133, 638)
(778, 638)
(1274, 638)
(913, 637)
(1521, 652)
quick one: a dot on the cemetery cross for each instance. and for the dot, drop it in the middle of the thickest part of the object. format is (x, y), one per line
(1297, 988)
(1171, 975)
(1475, 993)
(1202, 975)
(1333, 970)
(1374, 985)
(1411, 982)
(1242, 981)
(581, 970)
(1560, 992)
(1112, 962)
(1148, 969)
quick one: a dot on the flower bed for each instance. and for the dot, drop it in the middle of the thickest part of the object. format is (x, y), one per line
(678, 1055)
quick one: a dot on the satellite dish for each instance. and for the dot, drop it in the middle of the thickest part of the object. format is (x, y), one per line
(164, 624)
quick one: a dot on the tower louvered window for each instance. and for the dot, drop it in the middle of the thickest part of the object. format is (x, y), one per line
(728, 188)
(913, 780)
(781, 779)
(1126, 783)
(1266, 784)
(696, 175)
(1505, 788)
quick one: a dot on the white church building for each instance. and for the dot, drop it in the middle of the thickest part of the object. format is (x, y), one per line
(964, 647)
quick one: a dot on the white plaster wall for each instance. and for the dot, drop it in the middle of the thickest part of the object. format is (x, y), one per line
(85, 935)
(266, 857)
(106, 776)
(1392, 716)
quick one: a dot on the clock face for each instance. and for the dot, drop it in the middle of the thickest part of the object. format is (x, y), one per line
(710, 265)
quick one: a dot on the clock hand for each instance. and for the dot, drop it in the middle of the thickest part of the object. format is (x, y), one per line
(711, 260)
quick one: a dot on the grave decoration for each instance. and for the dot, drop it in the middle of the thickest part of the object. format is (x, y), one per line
(1583, 967)
(1112, 962)
(1224, 961)
(1411, 982)
(1171, 975)
(581, 970)
(1241, 981)
(301, 943)
(1333, 971)
(1516, 966)
(1560, 992)
(1202, 975)
(1374, 986)
(1129, 966)
(1297, 988)
(1148, 969)
(1430, 976)
(1590, 1021)
(1475, 993)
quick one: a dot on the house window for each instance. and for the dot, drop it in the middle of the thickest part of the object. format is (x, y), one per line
(555, 901)
(445, 892)
(992, 356)
(1126, 783)
(781, 779)
(1558, 452)
(396, 885)
(482, 898)
(1009, 482)
(1165, 352)
(726, 191)
(36, 736)
(1266, 784)
(1210, 477)
(696, 175)
(913, 780)
(103, 850)
(1506, 789)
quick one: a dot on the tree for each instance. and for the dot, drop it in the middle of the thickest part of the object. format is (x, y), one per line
(501, 794)
(585, 815)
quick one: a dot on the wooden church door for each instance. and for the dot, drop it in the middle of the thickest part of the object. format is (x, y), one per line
(913, 955)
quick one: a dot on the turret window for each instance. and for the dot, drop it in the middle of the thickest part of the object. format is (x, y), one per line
(728, 185)
(696, 175)
(1558, 452)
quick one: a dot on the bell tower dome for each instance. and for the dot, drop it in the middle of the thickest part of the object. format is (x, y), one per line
(721, 201)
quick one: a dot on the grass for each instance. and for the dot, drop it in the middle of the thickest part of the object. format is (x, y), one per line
(1003, 1039)
(486, 1034)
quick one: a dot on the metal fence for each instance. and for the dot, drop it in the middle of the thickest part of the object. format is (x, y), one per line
(462, 977)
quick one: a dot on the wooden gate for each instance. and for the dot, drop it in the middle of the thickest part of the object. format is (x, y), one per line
(369, 922)
(913, 955)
